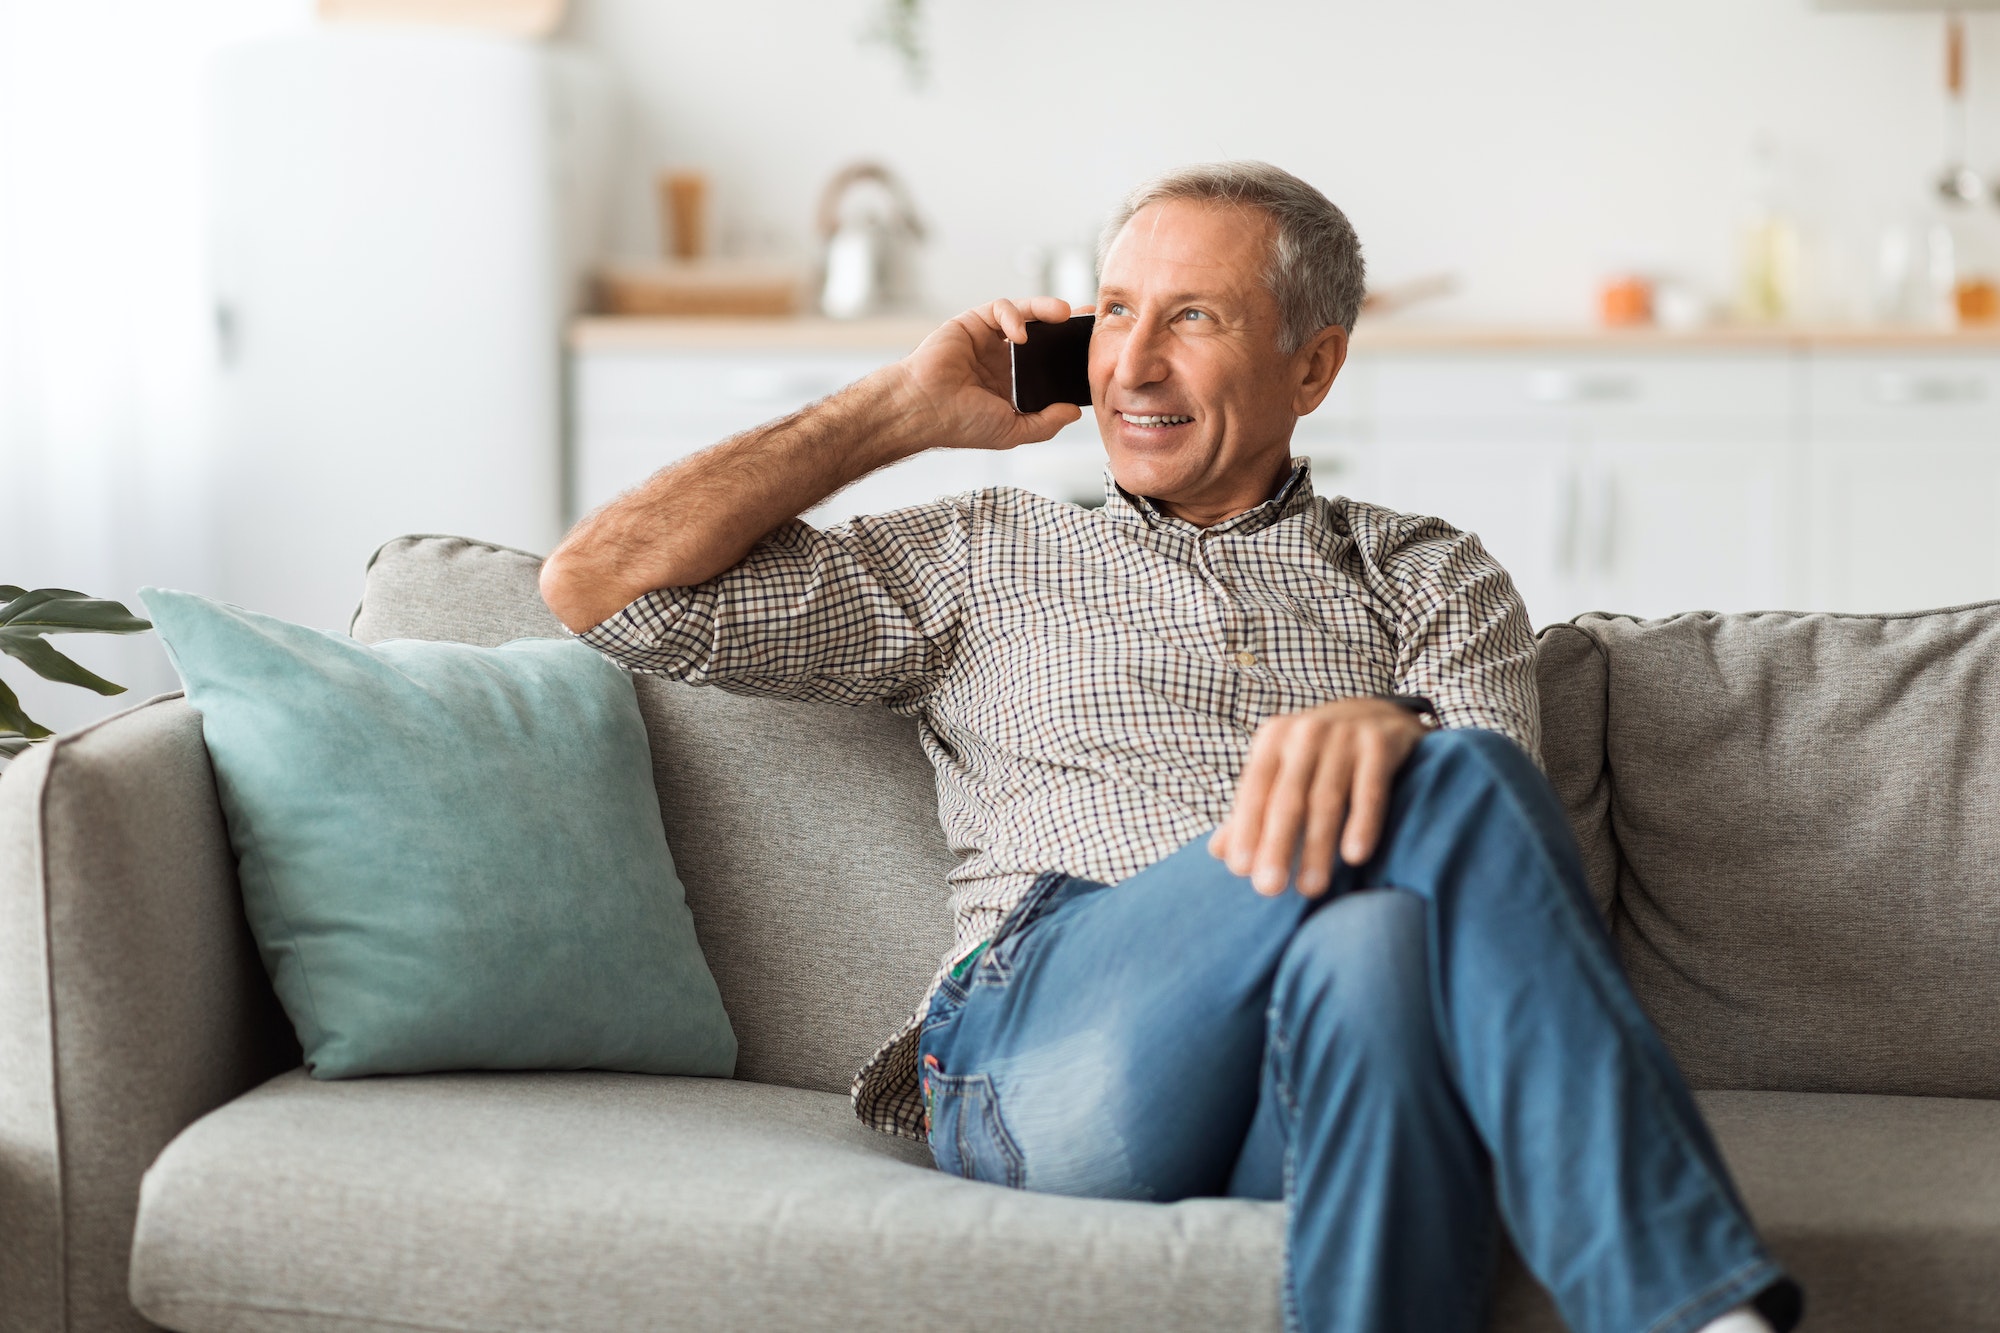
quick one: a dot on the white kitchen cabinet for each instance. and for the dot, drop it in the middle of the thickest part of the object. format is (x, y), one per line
(636, 408)
(1649, 479)
(1695, 522)
(1642, 484)
(1520, 496)
(1904, 481)
(635, 411)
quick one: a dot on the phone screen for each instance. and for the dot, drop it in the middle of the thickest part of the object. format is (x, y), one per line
(1053, 366)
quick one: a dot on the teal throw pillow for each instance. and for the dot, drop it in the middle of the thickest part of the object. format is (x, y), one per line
(451, 856)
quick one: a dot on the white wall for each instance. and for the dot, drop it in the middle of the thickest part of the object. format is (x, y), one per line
(1527, 146)
(105, 310)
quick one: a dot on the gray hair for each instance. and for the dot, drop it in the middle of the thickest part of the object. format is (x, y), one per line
(1315, 268)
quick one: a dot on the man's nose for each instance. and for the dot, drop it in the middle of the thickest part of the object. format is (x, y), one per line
(1142, 360)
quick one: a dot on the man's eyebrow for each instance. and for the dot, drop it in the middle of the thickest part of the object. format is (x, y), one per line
(1175, 298)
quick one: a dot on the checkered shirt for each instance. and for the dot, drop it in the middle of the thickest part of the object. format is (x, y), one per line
(1087, 681)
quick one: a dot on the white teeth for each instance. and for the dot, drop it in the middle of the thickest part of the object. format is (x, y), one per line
(1162, 420)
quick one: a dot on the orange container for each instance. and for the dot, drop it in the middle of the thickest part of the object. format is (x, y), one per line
(1625, 301)
(1978, 300)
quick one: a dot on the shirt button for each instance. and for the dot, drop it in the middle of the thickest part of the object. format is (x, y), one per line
(1246, 658)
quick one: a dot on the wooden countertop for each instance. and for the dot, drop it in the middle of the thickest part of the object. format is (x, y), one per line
(595, 333)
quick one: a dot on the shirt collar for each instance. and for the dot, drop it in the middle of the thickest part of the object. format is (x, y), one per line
(1292, 497)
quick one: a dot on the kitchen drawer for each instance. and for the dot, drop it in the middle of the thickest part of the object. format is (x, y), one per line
(1525, 387)
(1904, 398)
(613, 464)
(608, 463)
(725, 392)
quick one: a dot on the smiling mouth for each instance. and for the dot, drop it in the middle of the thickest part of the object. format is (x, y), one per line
(1155, 419)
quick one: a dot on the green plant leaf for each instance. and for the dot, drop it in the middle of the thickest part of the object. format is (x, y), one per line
(63, 611)
(16, 723)
(8, 592)
(41, 657)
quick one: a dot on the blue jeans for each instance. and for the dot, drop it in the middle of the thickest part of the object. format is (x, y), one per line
(1442, 1043)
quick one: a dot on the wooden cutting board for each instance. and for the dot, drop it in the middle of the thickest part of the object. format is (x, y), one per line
(699, 287)
(516, 18)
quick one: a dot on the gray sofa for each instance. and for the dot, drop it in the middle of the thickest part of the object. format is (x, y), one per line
(1793, 823)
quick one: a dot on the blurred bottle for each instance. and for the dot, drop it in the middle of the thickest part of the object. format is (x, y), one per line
(1768, 291)
(1938, 272)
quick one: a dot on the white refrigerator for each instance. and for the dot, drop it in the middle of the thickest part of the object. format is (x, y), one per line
(402, 218)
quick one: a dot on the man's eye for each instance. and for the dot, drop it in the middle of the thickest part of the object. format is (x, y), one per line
(1116, 308)
(1195, 314)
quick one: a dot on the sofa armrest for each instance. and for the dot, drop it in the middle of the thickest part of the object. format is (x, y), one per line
(132, 1000)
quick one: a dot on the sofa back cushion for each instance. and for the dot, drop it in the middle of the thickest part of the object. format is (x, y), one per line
(806, 835)
(1806, 816)
(1792, 820)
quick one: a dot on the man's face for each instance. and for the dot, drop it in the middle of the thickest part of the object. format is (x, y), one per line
(1194, 399)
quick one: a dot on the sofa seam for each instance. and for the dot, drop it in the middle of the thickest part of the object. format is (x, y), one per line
(1631, 618)
(96, 725)
(362, 605)
(164, 1303)
(1619, 864)
(57, 749)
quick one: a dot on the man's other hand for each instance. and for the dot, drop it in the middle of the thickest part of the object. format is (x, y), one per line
(1320, 775)
(960, 381)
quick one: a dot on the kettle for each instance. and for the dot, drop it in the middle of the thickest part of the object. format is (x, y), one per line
(870, 232)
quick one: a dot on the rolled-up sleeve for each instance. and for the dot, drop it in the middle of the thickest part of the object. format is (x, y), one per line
(1463, 636)
(864, 611)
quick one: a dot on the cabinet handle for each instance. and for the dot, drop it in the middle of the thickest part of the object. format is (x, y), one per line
(1581, 386)
(1607, 521)
(1900, 388)
(1567, 517)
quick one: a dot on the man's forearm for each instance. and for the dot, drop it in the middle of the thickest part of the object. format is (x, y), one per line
(698, 517)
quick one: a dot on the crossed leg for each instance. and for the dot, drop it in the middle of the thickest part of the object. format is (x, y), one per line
(1444, 1036)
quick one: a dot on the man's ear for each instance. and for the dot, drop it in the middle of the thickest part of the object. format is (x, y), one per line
(1318, 362)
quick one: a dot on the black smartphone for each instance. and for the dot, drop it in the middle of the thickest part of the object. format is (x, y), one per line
(1053, 366)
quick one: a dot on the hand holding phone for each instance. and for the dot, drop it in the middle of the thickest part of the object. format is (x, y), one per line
(1053, 365)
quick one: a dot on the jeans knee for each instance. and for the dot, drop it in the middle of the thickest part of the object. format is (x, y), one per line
(1355, 984)
(1458, 772)
(1485, 753)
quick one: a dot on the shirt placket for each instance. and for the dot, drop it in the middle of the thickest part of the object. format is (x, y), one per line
(1241, 633)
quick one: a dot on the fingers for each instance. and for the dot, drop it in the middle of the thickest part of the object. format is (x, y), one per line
(1246, 818)
(1313, 782)
(1325, 805)
(1043, 425)
(1285, 807)
(1011, 318)
(1048, 309)
(1374, 769)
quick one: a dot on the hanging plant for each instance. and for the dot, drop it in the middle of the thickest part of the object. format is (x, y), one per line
(899, 25)
(26, 618)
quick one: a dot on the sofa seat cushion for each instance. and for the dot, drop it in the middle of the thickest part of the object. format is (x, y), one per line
(615, 1201)
(1886, 1208)
(620, 1201)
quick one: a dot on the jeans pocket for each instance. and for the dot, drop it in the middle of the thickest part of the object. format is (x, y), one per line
(968, 1138)
(1050, 892)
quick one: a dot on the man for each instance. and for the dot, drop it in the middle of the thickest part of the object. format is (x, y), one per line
(1231, 917)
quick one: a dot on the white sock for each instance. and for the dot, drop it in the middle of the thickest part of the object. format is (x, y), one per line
(1742, 1319)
